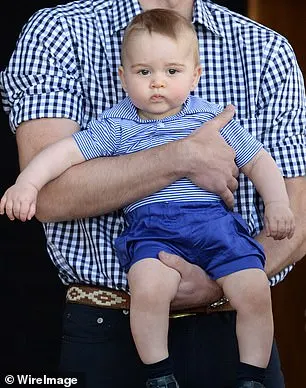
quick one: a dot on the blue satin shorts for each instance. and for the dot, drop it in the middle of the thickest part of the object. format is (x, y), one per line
(204, 233)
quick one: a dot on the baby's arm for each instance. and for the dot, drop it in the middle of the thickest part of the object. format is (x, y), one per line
(19, 201)
(264, 173)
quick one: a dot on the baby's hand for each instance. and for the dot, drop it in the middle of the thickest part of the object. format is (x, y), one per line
(279, 220)
(19, 201)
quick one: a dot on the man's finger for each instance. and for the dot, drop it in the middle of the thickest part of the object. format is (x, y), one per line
(267, 226)
(224, 117)
(173, 261)
(235, 172)
(228, 198)
(233, 184)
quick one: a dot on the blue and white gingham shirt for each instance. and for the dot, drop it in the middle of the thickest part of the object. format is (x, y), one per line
(65, 65)
(120, 131)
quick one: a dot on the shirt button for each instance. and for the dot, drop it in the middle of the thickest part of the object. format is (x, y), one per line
(100, 320)
(160, 125)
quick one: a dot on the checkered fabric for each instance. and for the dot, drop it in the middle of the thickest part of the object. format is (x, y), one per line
(65, 65)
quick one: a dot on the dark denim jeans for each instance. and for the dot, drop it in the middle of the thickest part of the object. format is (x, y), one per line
(97, 343)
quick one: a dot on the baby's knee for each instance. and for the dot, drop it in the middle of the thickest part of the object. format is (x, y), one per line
(150, 280)
(256, 299)
(152, 291)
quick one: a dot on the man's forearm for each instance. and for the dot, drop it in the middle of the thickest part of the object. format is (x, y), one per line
(282, 253)
(99, 185)
(102, 185)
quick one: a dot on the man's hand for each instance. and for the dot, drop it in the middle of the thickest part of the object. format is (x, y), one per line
(196, 288)
(211, 160)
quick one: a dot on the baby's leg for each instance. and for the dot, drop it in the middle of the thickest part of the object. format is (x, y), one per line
(249, 293)
(153, 285)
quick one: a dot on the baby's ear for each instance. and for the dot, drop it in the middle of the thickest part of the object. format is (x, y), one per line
(196, 77)
(122, 78)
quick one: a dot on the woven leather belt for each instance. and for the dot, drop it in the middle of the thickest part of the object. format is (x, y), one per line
(116, 299)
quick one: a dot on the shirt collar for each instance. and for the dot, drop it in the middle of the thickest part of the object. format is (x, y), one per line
(203, 15)
(124, 11)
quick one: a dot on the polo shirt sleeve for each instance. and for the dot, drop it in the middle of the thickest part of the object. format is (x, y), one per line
(42, 79)
(100, 138)
(245, 145)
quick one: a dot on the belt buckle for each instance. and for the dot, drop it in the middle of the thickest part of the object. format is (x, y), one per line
(219, 303)
(181, 315)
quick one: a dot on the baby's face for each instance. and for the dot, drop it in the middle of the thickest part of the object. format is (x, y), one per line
(159, 72)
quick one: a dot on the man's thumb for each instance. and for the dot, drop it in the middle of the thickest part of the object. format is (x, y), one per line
(224, 117)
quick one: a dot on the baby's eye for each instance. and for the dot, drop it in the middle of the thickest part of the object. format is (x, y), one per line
(144, 72)
(172, 71)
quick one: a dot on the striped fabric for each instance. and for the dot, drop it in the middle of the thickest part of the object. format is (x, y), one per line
(65, 65)
(121, 131)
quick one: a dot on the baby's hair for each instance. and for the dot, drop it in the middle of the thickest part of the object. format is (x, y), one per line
(162, 21)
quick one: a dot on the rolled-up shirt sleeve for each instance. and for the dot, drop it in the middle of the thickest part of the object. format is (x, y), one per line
(42, 78)
(281, 112)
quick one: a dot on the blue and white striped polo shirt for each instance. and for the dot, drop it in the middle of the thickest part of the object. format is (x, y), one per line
(120, 130)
